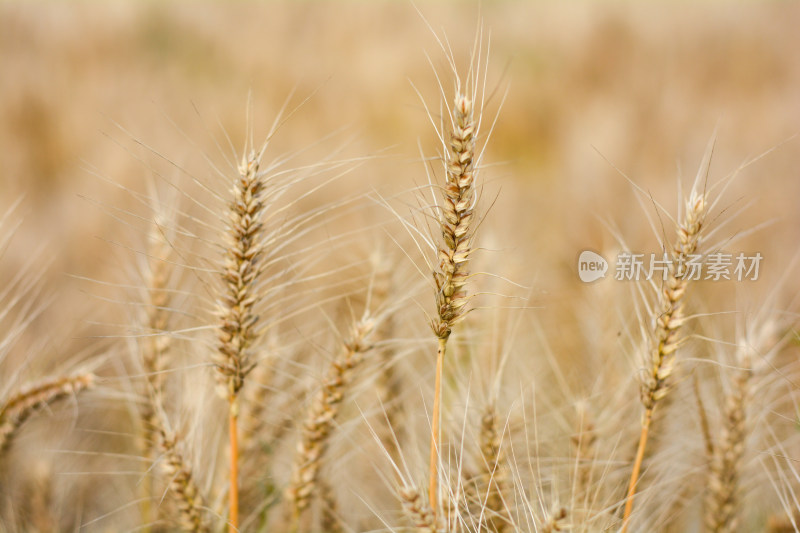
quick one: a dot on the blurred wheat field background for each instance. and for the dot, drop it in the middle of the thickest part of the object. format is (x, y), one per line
(165, 287)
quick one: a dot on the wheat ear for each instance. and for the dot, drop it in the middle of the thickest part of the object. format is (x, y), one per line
(320, 419)
(455, 222)
(420, 515)
(389, 383)
(157, 342)
(238, 329)
(497, 518)
(668, 322)
(583, 442)
(330, 519)
(20, 406)
(154, 350)
(722, 502)
(190, 501)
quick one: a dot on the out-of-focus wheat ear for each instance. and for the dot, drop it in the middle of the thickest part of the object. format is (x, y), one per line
(239, 295)
(417, 511)
(388, 383)
(182, 484)
(156, 342)
(669, 319)
(154, 350)
(450, 276)
(330, 509)
(320, 419)
(494, 475)
(723, 499)
(583, 443)
(20, 406)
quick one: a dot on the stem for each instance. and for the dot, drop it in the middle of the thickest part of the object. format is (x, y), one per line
(437, 392)
(637, 465)
(233, 416)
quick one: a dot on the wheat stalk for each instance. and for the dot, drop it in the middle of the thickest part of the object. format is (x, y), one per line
(497, 518)
(450, 277)
(668, 323)
(722, 501)
(389, 383)
(320, 419)
(154, 350)
(238, 329)
(157, 342)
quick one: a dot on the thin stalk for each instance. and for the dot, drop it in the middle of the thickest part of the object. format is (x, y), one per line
(233, 500)
(669, 319)
(637, 466)
(437, 394)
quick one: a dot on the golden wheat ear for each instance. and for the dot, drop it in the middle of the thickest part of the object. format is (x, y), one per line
(494, 475)
(238, 297)
(451, 273)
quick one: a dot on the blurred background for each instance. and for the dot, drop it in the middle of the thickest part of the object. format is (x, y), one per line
(591, 86)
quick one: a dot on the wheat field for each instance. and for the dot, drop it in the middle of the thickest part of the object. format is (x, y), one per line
(362, 267)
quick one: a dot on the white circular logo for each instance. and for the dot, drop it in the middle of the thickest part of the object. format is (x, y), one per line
(591, 266)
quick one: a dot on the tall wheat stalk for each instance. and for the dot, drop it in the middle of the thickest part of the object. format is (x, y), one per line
(320, 419)
(238, 329)
(455, 222)
(154, 350)
(669, 320)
